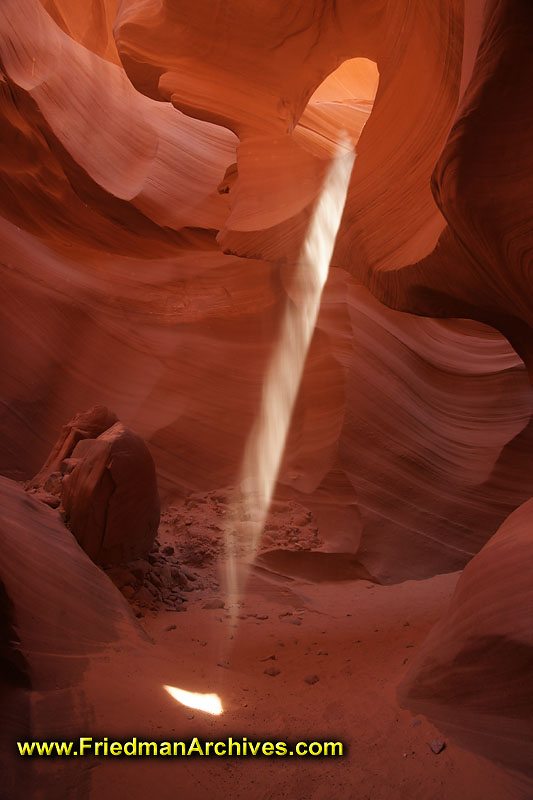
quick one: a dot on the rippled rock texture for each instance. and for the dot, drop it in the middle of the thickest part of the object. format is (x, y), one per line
(473, 674)
(159, 163)
(59, 611)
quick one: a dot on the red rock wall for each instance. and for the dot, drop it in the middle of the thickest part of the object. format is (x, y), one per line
(473, 674)
(409, 427)
(158, 165)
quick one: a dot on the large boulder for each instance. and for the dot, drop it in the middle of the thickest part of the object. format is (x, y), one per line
(105, 478)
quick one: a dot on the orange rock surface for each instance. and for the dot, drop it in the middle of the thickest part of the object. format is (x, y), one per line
(160, 162)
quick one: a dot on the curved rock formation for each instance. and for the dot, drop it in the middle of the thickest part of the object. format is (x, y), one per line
(59, 611)
(472, 676)
(159, 163)
(226, 73)
(482, 184)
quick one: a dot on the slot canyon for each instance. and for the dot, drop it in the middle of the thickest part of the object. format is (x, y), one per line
(266, 425)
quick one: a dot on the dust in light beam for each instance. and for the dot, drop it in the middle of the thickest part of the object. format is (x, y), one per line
(266, 442)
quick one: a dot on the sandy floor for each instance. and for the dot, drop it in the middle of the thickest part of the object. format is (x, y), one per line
(356, 637)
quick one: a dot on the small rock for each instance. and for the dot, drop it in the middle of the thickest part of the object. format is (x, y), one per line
(49, 499)
(155, 580)
(183, 582)
(128, 592)
(437, 745)
(311, 679)
(168, 550)
(261, 616)
(139, 568)
(144, 596)
(215, 603)
(272, 671)
(120, 577)
(68, 464)
(170, 628)
(53, 483)
(322, 653)
(268, 658)
(166, 577)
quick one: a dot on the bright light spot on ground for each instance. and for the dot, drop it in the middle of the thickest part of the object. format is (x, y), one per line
(210, 703)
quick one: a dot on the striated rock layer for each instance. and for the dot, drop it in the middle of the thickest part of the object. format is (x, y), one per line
(59, 612)
(481, 267)
(472, 676)
(410, 437)
(159, 162)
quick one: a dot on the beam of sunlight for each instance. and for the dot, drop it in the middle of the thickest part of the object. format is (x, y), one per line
(210, 703)
(266, 442)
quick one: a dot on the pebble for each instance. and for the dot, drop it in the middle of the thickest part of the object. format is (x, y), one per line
(437, 745)
(272, 671)
(215, 603)
(311, 679)
(170, 628)
(49, 499)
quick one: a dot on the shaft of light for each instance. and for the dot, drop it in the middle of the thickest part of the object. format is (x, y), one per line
(266, 442)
